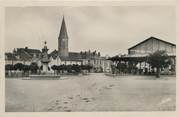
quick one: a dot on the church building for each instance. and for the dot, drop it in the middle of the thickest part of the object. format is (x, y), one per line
(59, 56)
(63, 56)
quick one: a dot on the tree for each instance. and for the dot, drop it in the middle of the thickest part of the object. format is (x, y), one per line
(69, 68)
(18, 66)
(118, 67)
(9, 67)
(54, 67)
(89, 67)
(158, 60)
(113, 69)
(59, 68)
(76, 68)
(62, 68)
(34, 67)
(122, 67)
(26, 68)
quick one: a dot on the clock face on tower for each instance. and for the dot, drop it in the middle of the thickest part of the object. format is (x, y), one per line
(63, 40)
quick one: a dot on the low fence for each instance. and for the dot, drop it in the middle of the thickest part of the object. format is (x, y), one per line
(20, 74)
(16, 74)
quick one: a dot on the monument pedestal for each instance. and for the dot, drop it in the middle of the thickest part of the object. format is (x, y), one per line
(45, 70)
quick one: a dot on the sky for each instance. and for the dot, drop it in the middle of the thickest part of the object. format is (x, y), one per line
(108, 29)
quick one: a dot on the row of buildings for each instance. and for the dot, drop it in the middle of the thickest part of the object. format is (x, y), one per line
(60, 56)
(137, 53)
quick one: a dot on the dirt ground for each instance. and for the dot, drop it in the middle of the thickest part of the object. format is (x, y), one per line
(94, 92)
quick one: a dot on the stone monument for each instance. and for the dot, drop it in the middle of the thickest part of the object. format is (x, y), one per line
(45, 60)
(45, 68)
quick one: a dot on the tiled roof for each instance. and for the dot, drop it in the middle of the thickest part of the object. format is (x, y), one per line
(74, 56)
(10, 56)
(22, 54)
(25, 55)
(54, 54)
(29, 51)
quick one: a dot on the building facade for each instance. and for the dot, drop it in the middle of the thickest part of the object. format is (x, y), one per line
(137, 58)
(151, 45)
(22, 55)
(61, 56)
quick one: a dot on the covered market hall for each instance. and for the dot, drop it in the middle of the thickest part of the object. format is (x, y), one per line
(136, 61)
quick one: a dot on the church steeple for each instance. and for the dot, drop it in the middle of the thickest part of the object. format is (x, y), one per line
(63, 40)
(63, 30)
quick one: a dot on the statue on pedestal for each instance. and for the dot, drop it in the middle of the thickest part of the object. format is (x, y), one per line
(45, 60)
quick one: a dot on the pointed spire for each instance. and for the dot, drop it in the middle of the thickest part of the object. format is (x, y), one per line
(63, 30)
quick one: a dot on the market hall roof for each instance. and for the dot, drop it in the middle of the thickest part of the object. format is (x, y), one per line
(150, 38)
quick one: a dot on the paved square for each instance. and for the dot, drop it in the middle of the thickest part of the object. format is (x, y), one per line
(94, 92)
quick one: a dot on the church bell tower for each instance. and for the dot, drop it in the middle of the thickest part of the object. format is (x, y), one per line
(63, 40)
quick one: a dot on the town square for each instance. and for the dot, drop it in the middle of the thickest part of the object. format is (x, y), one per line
(93, 58)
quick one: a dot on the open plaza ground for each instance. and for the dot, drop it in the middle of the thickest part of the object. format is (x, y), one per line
(94, 92)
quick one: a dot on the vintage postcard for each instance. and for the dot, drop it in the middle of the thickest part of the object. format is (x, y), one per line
(90, 58)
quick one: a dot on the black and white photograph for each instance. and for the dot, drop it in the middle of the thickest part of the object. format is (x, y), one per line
(90, 58)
